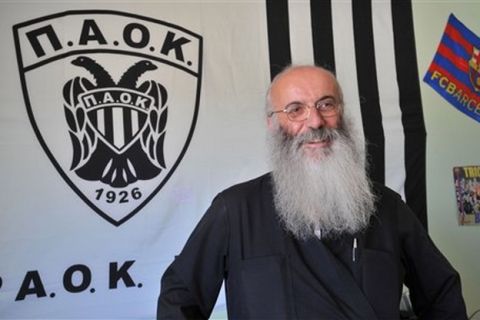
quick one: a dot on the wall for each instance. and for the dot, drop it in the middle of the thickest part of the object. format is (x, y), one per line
(451, 141)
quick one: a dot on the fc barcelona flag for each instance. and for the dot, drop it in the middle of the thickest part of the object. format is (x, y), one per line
(455, 69)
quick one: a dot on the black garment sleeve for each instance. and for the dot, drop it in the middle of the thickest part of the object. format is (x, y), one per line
(190, 285)
(435, 288)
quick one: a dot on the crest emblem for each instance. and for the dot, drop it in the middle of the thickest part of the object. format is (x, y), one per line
(474, 69)
(119, 152)
(119, 108)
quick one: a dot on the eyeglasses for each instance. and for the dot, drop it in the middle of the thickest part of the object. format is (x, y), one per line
(297, 111)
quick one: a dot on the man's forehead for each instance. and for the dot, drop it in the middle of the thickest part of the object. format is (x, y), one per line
(311, 79)
(304, 70)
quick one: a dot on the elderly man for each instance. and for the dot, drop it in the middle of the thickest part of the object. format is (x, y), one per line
(313, 239)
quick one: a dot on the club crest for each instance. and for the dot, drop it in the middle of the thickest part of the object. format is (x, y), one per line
(117, 129)
(119, 107)
(474, 69)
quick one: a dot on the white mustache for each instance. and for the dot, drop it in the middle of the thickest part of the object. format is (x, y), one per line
(320, 134)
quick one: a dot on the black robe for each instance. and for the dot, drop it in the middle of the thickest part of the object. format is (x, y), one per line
(271, 275)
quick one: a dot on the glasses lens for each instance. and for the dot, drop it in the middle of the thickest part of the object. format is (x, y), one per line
(327, 107)
(297, 112)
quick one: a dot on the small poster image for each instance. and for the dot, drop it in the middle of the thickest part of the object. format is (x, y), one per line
(467, 190)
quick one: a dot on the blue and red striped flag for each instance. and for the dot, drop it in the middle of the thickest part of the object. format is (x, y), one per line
(455, 70)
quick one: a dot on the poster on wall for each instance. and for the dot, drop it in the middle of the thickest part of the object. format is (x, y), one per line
(467, 191)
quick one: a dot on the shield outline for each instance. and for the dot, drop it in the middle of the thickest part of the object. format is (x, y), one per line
(38, 134)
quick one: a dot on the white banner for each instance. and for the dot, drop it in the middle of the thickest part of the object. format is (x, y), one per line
(118, 125)
(120, 121)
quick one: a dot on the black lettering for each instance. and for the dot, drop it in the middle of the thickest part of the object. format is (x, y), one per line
(91, 32)
(68, 278)
(32, 284)
(116, 274)
(144, 35)
(51, 36)
(176, 45)
(123, 197)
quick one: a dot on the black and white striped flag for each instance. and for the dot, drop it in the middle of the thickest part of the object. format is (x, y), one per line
(379, 77)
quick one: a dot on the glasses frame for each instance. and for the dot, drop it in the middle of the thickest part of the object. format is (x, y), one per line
(317, 105)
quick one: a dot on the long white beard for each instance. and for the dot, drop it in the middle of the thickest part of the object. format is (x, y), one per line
(329, 192)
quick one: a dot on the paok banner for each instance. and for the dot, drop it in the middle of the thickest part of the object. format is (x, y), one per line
(120, 122)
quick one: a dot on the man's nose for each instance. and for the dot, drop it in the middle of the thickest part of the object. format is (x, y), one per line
(315, 120)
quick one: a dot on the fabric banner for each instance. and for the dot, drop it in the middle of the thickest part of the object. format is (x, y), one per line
(120, 122)
(455, 69)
